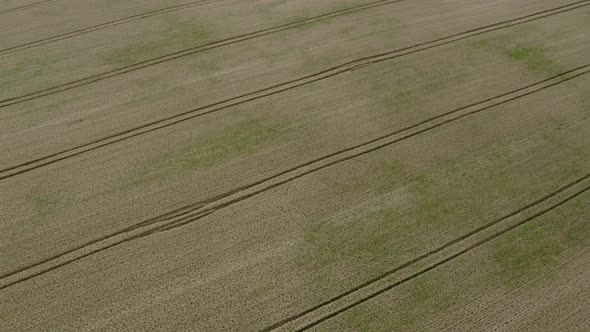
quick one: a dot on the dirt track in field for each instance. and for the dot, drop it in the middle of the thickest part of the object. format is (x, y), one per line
(11, 8)
(266, 91)
(300, 166)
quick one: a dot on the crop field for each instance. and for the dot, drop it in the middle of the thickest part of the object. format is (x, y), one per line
(295, 165)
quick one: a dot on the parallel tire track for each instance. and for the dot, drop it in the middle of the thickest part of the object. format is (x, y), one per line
(105, 25)
(275, 89)
(189, 51)
(193, 212)
(31, 5)
(459, 253)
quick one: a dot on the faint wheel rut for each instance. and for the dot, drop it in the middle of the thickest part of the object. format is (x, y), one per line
(104, 25)
(426, 262)
(275, 89)
(194, 212)
(31, 5)
(186, 52)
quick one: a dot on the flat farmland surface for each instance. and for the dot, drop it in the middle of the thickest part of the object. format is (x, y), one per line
(295, 165)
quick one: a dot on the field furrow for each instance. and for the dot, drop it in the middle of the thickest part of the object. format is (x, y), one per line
(143, 166)
(196, 211)
(104, 25)
(274, 165)
(21, 6)
(500, 306)
(267, 91)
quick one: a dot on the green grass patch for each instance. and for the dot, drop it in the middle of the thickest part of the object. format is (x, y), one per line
(536, 58)
(243, 137)
(423, 297)
(423, 185)
(403, 206)
(310, 61)
(519, 257)
(411, 85)
(357, 319)
(174, 35)
(44, 205)
(536, 248)
(358, 241)
(26, 69)
(6, 73)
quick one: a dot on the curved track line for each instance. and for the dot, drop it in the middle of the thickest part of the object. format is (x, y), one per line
(193, 212)
(187, 52)
(31, 5)
(105, 25)
(269, 91)
(111, 245)
(460, 253)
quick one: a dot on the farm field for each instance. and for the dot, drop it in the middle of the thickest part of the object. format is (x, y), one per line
(273, 165)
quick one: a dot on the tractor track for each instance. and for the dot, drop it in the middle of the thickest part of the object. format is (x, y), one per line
(15, 170)
(31, 5)
(104, 25)
(433, 252)
(193, 212)
(186, 52)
